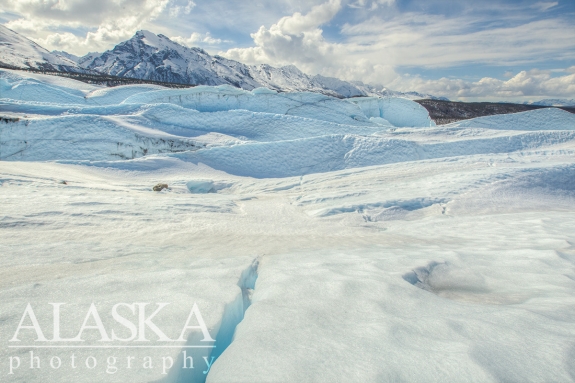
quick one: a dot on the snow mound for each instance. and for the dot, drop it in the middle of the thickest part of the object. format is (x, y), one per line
(200, 186)
(69, 85)
(530, 190)
(538, 119)
(400, 112)
(49, 109)
(336, 152)
(244, 124)
(225, 97)
(59, 91)
(115, 95)
(448, 281)
(257, 133)
(84, 137)
(37, 91)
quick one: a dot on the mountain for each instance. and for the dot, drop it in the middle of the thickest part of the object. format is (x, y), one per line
(156, 57)
(148, 56)
(554, 102)
(16, 50)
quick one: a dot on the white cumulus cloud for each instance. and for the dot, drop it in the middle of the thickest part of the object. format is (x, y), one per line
(177, 10)
(528, 85)
(373, 50)
(298, 39)
(196, 39)
(111, 20)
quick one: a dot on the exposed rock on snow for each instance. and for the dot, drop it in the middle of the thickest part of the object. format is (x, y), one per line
(160, 187)
(8, 120)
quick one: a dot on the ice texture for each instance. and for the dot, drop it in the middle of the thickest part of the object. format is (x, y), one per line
(398, 111)
(323, 239)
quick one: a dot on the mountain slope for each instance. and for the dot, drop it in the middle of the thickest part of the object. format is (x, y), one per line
(151, 57)
(16, 50)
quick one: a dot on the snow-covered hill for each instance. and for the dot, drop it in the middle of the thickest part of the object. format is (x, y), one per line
(16, 50)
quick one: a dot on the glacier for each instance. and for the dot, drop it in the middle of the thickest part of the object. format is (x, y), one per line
(322, 239)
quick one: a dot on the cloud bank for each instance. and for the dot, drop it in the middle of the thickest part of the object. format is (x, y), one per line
(529, 85)
(374, 41)
(372, 50)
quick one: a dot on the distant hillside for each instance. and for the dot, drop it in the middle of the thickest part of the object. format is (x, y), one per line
(445, 112)
(555, 102)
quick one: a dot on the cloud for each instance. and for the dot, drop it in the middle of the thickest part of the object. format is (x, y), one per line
(368, 40)
(372, 49)
(418, 40)
(297, 39)
(533, 85)
(544, 5)
(177, 10)
(372, 5)
(111, 21)
(196, 39)
(299, 24)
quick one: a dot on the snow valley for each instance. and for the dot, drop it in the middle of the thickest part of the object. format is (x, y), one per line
(294, 237)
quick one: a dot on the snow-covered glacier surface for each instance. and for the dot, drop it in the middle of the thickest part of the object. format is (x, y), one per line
(322, 240)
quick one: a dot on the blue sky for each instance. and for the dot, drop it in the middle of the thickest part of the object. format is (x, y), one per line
(469, 50)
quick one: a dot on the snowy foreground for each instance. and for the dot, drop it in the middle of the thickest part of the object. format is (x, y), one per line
(321, 240)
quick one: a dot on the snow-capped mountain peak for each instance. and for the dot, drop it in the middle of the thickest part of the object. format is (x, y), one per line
(156, 57)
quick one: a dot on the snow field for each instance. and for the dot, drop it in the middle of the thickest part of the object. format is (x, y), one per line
(319, 243)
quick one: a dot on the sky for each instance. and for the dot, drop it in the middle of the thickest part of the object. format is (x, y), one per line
(467, 50)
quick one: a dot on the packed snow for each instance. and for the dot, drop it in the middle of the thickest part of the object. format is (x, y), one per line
(320, 239)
